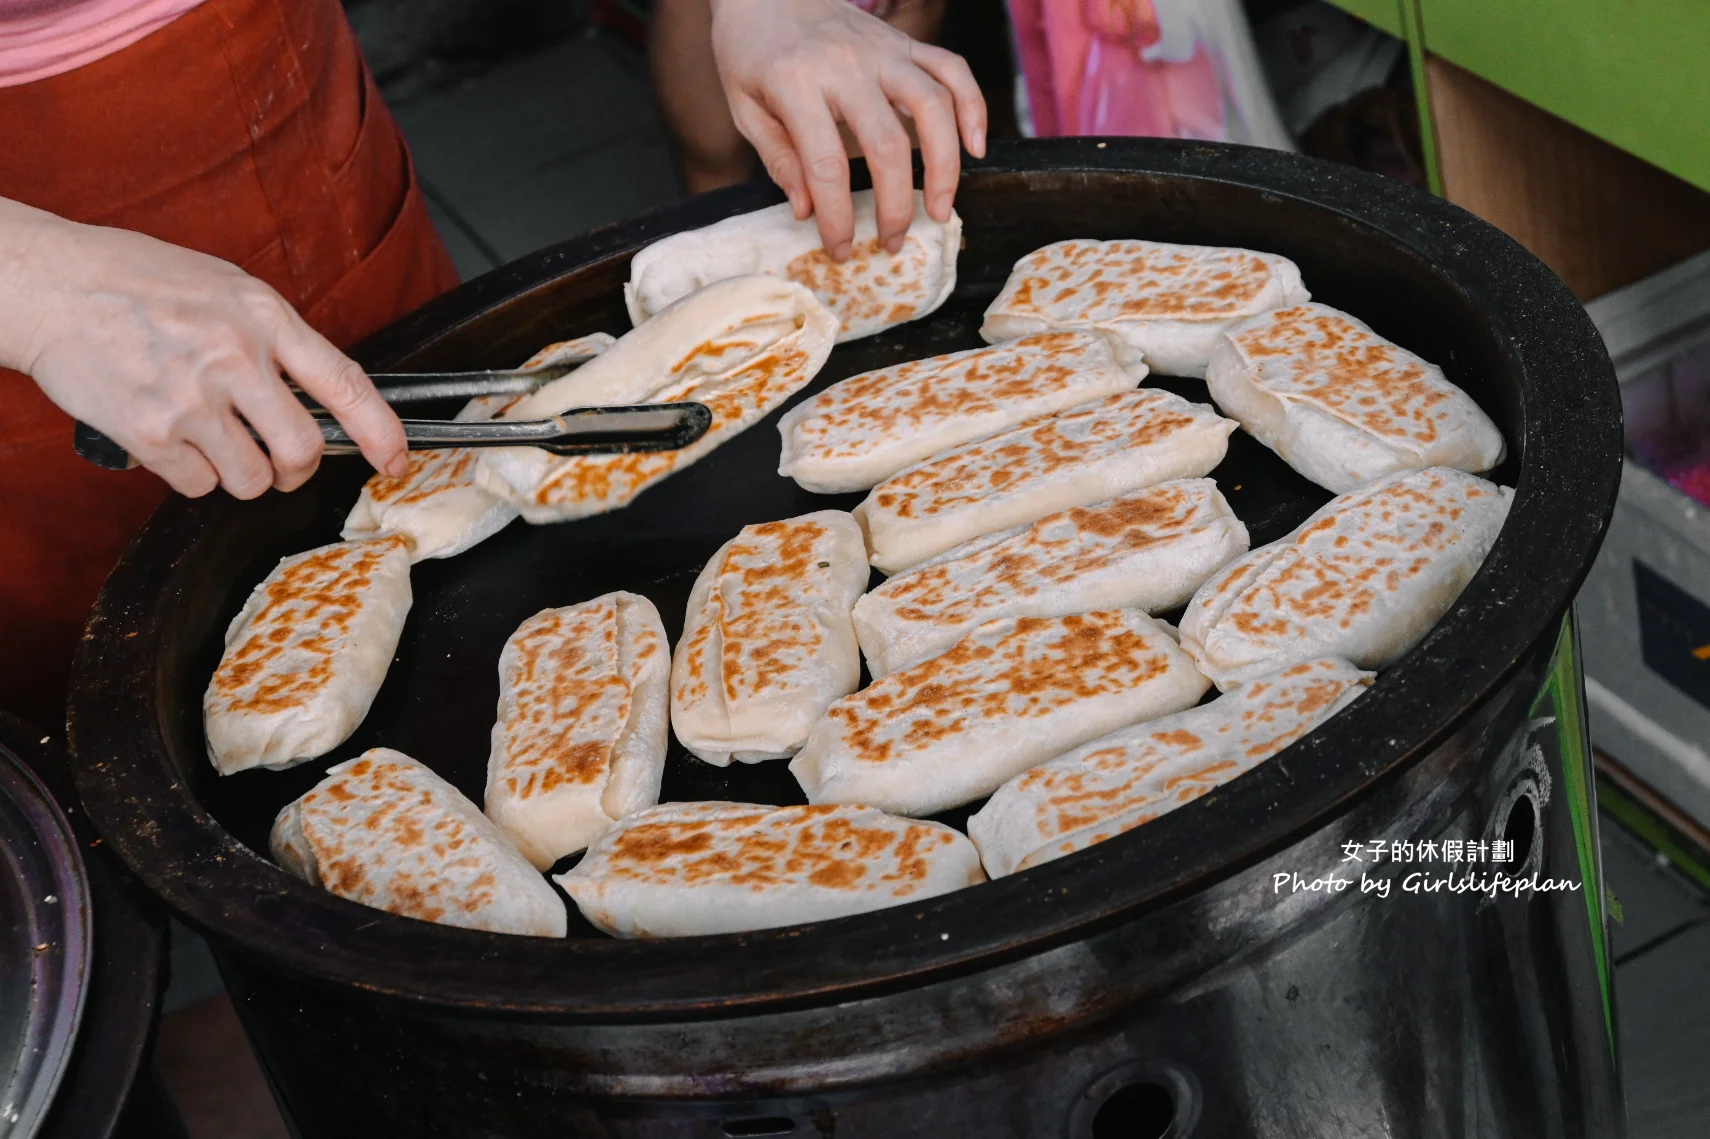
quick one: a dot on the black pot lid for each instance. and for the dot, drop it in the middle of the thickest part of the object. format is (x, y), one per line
(44, 947)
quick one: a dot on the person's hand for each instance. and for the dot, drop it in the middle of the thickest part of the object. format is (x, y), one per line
(794, 69)
(170, 353)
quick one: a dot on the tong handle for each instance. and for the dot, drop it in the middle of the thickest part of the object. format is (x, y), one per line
(587, 430)
(582, 431)
(95, 447)
(419, 387)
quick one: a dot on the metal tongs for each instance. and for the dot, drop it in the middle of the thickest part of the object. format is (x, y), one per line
(579, 431)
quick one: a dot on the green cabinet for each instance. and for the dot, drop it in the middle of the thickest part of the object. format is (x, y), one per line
(1635, 73)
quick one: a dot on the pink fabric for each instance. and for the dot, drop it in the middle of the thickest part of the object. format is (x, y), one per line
(1694, 482)
(1082, 63)
(40, 38)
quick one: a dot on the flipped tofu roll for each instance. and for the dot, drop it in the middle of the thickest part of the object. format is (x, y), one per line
(580, 737)
(767, 644)
(1147, 550)
(1362, 579)
(862, 430)
(681, 869)
(740, 346)
(1165, 304)
(436, 504)
(580, 348)
(1135, 774)
(1342, 405)
(1089, 453)
(306, 655)
(385, 831)
(871, 291)
(1013, 693)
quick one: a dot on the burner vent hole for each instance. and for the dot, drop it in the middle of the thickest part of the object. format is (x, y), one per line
(1141, 1110)
(764, 1125)
(1520, 827)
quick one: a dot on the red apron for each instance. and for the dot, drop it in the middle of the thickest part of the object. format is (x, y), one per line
(246, 129)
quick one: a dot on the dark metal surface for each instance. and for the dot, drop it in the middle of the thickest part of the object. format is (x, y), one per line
(418, 387)
(44, 947)
(106, 1089)
(1257, 1013)
(579, 431)
(1420, 271)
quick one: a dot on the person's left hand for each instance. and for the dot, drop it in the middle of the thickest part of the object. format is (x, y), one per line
(793, 70)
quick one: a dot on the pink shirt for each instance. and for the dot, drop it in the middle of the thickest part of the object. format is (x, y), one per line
(39, 38)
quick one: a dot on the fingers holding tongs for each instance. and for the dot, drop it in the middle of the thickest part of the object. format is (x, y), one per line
(579, 431)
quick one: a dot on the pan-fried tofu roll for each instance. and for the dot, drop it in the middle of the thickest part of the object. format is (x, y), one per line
(306, 655)
(870, 292)
(580, 348)
(1089, 453)
(1013, 693)
(1147, 550)
(1363, 579)
(436, 504)
(1135, 774)
(1342, 405)
(740, 346)
(767, 644)
(1166, 304)
(863, 430)
(582, 724)
(385, 831)
(681, 869)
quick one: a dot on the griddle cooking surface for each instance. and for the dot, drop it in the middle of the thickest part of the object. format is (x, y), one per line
(438, 701)
(1422, 273)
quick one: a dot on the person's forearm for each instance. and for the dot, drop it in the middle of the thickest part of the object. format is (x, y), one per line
(26, 235)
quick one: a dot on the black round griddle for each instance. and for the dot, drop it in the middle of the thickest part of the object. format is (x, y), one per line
(1421, 272)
